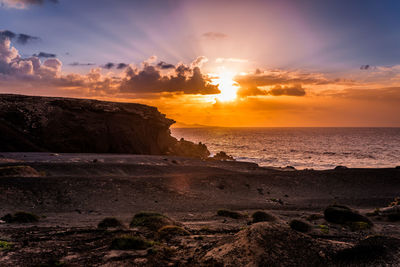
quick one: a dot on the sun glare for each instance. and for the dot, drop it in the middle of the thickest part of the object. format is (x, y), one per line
(226, 85)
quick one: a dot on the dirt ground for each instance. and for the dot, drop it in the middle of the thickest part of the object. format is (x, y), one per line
(72, 193)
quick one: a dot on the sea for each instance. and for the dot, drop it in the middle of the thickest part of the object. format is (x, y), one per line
(302, 148)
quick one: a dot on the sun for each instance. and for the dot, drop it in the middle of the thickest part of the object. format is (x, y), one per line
(226, 85)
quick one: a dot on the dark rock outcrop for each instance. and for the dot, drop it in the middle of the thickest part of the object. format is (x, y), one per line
(344, 215)
(35, 124)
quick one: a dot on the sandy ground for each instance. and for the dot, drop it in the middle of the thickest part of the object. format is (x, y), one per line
(73, 192)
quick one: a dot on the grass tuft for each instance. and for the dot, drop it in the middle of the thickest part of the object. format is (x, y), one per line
(151, 220)
(129, 242)
(171, 231)
(20, 217)
(109, 222)
(261, 216)
(230, 214)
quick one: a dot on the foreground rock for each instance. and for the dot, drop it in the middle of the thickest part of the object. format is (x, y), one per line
(270, 244)
(31, 123)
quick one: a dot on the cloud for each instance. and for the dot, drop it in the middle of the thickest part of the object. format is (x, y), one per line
(44, 55)
(75, 64)
(278, 90)
(108, 66)
(163, 65)
(20, 38)
(14, 66)
(295, 90)
(214, 35)
(118, 66)
(279, 77)
(365, 67)
(22, 4)
(121, 66)
(199, 61)
(185, 79)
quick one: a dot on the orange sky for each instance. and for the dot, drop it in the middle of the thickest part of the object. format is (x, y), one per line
(220, 63)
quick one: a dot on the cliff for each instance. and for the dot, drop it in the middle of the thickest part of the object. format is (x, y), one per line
(35, 124)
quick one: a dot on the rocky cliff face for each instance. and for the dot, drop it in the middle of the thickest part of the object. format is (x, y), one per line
(32, 123)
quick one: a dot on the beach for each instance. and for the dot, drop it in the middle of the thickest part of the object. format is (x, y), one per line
(72, 193)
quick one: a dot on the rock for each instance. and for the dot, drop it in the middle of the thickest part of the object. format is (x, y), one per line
(36, 124)
(393, 212)
(342, 215)
(261, 216)
(269, 244)
(371, 251)
(18, 171)
(340, 167)
(222, 156)
(300, 226)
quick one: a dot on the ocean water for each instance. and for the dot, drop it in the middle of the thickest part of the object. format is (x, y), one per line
(317, 148)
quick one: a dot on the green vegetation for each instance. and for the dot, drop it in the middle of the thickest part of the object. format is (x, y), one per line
(4, 245)
(151, 220)
(324, 228)
(170, 231)
(229, 213)
(20, 217)
(261, 216)
(359, 226)
(299, 226)
(128, 242)
(109, 222)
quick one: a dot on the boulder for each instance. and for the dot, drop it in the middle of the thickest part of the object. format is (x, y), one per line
(55, 124)
(343, 215)
(269, 244)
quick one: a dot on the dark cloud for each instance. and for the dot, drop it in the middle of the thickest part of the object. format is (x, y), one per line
(214, 35)
(45, 55)
(108, 65)
(295, 90)
(278, 90)
(7, 34)
(365, 67)
(163, 65)
(25, 3)
(75, 64)
(118, 66)
(19, 38)
(121, 66)
(149, 80)
(278, 78)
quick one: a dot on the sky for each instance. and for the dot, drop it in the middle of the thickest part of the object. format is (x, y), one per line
(277, 63)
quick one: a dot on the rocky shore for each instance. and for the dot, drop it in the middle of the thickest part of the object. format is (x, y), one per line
(55, 124)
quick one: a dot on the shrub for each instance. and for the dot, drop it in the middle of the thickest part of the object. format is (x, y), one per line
(109, 222)
(170, 231)
(20, 217)
(229, 213)
(359, 226)
(151, 220)
(127, 242)
(367, 250)
(342, 215)
(4, 245)
(261, 216)
(300, 226)
(324, 228)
